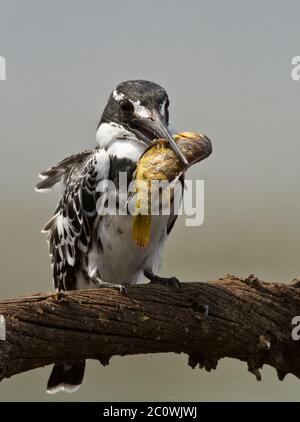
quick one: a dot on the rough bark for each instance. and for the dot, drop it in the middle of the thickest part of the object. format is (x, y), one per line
(246, 319)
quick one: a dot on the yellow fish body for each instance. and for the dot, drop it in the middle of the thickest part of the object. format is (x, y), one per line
(160, 163)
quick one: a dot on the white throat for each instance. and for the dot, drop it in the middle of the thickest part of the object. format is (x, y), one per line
(109, 132)
(119, 142)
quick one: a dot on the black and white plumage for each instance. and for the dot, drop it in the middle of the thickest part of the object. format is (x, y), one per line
(70, 229)
(89, 249)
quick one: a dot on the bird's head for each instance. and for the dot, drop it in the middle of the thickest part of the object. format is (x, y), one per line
(141, 107)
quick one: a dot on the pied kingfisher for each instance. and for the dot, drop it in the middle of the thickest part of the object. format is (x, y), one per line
(89, 249)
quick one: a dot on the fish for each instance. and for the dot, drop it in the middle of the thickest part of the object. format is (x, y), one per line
(159, 163)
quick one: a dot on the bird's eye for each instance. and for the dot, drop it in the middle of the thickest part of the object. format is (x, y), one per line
(167, 103)
(126, 106)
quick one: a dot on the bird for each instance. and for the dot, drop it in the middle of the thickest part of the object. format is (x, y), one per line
(90, 249)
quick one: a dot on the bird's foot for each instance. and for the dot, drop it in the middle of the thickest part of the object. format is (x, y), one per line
(165, 281)
(100, 284)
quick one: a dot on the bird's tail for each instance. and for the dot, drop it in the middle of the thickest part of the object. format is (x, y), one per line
(66, 376)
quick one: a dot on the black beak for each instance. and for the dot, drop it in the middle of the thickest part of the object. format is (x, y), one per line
(155, 127)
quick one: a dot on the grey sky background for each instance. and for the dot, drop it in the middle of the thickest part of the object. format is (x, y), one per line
(227, 69)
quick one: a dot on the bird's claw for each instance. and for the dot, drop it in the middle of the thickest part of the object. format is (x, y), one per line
(103, 284)
(166, 281)
(121, 288)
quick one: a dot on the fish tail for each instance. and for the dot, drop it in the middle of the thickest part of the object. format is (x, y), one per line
(141, 230)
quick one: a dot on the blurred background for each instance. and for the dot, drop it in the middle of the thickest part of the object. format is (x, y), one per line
(227, 69)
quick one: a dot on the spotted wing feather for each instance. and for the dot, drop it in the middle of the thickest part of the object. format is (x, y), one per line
(69, 231)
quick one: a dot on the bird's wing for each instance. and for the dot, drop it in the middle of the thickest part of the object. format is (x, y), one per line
(60, 172)
(69, 231)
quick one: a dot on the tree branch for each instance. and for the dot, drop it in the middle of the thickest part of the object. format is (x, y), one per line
(246, 319)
